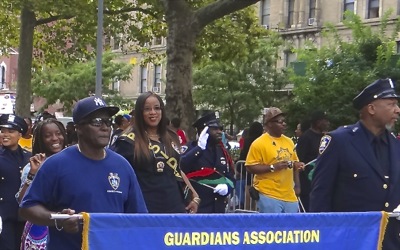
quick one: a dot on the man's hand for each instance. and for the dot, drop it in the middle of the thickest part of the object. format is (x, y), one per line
(221, 189)
(70, 225)
(202, 142)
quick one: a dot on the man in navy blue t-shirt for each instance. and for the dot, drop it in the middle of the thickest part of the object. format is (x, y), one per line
(82, 178)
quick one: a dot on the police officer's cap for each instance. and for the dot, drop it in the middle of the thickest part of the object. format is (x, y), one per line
(13, 122)
(209, 120)
(380, 89)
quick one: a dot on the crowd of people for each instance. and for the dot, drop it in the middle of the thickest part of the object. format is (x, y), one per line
(147, 164)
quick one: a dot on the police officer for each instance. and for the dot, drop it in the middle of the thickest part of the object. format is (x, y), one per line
(12, 160)
(208, 165)
(358, 168)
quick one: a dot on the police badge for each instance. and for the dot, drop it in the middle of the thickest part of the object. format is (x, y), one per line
(114, 180)
(325, 140)
(160, 166)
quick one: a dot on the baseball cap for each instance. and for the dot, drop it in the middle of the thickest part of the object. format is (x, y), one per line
(272, 112)
(88, 105)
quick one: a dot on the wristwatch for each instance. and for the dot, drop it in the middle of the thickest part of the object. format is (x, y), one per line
(271, 168)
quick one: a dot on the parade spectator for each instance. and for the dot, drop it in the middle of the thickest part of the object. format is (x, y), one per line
(82, 178)
(255, 130)
(209, 165)
(122, 123)
(273, 161)
(26, 140)
(72, 137)
(307, 150)
(297, 133)
(12, 160)
(243, 136)
(176, 126)
(49, 138)
(153, 150)
(358, 168)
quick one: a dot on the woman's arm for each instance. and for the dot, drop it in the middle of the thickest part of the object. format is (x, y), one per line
(194, 204)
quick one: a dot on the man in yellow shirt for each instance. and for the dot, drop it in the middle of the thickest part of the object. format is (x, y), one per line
(26, 140)
(273, 161)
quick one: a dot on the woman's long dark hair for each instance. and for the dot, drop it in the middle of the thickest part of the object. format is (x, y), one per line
(167, 135)
(38, 145)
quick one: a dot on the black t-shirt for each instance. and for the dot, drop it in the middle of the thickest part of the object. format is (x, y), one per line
(307, 150)
(160, 183)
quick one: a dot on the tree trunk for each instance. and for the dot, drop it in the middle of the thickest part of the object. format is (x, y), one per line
(24, 90)
(180, 48)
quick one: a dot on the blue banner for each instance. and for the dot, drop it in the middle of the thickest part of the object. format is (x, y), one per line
(234, 231)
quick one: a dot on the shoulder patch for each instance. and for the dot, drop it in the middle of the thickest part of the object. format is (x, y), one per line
(325, 140)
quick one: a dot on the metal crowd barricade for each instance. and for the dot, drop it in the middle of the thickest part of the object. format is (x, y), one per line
(240, 200)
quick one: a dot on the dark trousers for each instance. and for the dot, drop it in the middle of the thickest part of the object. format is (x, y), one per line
(10, 237)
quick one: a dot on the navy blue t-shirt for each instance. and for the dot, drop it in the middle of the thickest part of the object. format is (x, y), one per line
(71, 180)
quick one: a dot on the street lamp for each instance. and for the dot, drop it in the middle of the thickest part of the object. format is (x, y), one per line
(99, 48)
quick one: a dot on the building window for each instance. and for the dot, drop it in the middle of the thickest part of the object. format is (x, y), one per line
(290, 13)
(289, 58)
(157, 79)
(265, 14)
(157, 41)
(398, 47)
(398, 7)
(373, 8)
(313, 4)
(117, 43)
(2, 77)
(348, 6)
(116, 85)
(143, 79)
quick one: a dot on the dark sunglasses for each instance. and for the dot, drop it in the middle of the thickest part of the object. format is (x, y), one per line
(279, 121)
(98, 122)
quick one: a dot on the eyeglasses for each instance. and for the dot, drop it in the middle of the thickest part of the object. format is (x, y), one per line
(148, 109)
(98, 122)
(279, 121)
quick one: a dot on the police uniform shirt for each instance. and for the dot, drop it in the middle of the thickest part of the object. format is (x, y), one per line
(380, 146)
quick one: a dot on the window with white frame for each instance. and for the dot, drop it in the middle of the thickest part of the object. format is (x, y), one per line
(373, 9)
(2, 77)
(398, 47)
(290, 20)
(348, 6)
(143, 79)
(313, 6)
(116, 85)
(157, 79)
(289, 57)
(117, 42)
(265, 13)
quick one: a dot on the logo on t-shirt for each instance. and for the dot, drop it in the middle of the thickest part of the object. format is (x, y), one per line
(114, 181)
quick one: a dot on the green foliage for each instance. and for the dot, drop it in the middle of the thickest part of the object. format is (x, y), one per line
(336, 73)
(73, 82)
(236, 72)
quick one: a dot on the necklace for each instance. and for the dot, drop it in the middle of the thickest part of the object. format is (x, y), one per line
(79, 149)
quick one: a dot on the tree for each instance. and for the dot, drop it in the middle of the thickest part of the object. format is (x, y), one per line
(185, 21)
(68, 84)
(59, 32)
(336, 73)
(237, 74)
